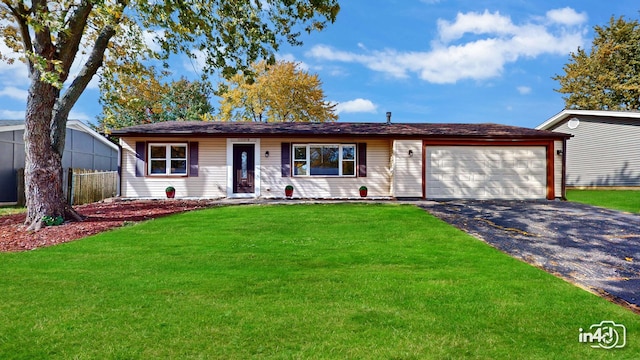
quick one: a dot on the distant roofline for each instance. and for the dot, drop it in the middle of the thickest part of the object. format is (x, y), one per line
(71, 124)
(557, 118)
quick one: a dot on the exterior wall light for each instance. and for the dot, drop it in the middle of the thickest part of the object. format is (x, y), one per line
(410, 153)
(266, 153)
(559, 152)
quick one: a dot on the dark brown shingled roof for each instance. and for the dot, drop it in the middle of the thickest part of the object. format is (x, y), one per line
(335, 129)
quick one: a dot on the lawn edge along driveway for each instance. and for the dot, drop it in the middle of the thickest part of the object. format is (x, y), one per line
(593, 247)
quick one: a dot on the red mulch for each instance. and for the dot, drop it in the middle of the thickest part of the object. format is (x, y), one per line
(99, 217)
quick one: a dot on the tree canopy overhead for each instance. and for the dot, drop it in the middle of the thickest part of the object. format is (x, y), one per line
(608, 76)
(50, 36)
(275, 93)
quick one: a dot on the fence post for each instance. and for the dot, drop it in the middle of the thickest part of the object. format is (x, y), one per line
(21, 187)
(70, 186)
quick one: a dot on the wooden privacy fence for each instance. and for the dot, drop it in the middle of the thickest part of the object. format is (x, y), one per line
(87, 186)
(81, 186)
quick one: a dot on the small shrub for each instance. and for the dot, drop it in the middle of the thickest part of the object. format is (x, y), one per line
(52, 221)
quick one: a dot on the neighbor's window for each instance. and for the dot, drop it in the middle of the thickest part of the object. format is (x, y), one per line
(324, 160)
(167, 159)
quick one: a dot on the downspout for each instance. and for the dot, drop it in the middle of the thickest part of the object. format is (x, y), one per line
(564, 169)
(392, 168)
(119, 182)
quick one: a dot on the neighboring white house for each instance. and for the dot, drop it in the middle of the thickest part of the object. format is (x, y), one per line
(605, 149)
(84, 148)
(332, 160)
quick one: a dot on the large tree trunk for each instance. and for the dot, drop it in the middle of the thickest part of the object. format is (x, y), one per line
(43, 162)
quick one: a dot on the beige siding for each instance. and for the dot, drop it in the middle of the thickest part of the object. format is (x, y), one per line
(407, 170)
(377, 179)
(211, 181)
(557, 168)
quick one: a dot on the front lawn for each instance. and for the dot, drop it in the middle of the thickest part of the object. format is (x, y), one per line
(625, 200)
(293, 281)
(9, 210)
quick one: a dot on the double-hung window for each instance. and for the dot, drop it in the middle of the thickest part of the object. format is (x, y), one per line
(324, 160)
(168, 159)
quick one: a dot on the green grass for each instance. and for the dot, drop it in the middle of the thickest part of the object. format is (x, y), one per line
(9, 210)
(625, 200)
(346, 281)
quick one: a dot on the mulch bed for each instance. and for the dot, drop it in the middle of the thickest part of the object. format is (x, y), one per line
(100, 217)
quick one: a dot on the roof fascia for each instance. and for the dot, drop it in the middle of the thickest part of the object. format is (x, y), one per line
(80, 126)
(369, 136)
(11, 128)
(71, 124)
(564, 114)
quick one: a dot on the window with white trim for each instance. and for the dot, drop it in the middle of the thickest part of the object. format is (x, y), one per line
(324, 160)
(168, 159)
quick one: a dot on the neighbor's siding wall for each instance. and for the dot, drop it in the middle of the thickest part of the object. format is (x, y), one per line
(603, 151)
(11, 159)
(81, 151)
(407, 171)
(211, 181)
(377, 179)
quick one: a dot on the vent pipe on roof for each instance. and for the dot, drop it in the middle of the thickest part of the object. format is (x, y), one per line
(388, 117)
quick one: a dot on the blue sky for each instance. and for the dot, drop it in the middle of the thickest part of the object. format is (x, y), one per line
(423, 60)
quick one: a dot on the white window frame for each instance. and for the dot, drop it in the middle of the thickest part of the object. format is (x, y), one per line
(308, 160)
(168, 159)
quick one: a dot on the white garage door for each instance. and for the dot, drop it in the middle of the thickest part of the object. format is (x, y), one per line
(486, 172)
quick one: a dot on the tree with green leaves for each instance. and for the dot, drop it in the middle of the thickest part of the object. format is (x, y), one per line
(50, 36)
(281, 92)
(608, 76)
(133, 100)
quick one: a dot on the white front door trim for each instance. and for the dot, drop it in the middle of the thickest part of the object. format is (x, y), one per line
(230, 143)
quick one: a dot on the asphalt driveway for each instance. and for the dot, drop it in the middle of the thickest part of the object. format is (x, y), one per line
(593, 247)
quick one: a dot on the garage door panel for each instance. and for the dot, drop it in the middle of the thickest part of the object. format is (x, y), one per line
(486, 172)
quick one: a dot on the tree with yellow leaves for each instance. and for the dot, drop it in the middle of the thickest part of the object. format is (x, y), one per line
(142, 98)
(281, 92)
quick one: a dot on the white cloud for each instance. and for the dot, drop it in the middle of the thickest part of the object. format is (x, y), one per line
(291, 58)
(20, 115)
(75, 115)
(196, 62)
(567, 16)
(151, 38)
(14, 93)
(524, 90)
(475, 23)
(12, 114)
(497, 42)
(356, 106)
(17, 73)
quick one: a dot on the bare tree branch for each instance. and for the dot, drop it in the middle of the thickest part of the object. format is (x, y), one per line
(65, 103)
(69, 40)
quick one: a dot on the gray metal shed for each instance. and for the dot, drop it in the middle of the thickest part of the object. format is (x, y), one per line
(84, 148)
(605, 149)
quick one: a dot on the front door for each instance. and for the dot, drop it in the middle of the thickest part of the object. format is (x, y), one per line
(243, 168)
